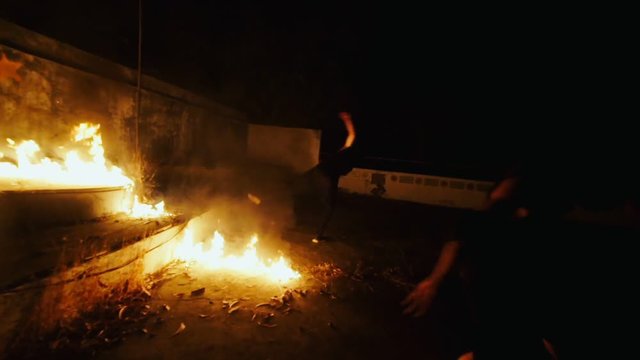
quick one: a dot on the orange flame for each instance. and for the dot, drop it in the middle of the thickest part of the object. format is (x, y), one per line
(210, 255)
(140, 210)
(23, 166)
(30, 169)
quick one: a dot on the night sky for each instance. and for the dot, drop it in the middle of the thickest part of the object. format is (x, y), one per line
(457, 88)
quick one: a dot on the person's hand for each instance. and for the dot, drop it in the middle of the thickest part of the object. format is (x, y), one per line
(419, 300)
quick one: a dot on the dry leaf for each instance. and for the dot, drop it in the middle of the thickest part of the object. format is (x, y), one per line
(232, 310)
(121, 312)
(267, 325)
(197, 292)
(287, 297)
(180, 329)
(254, 199)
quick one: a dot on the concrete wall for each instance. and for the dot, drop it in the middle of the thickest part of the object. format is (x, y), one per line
(426, 189)
(53, 86)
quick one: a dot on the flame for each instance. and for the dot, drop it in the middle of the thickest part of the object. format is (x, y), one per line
(30, 169)
(213, 257)
(141, 210)
(25, 167)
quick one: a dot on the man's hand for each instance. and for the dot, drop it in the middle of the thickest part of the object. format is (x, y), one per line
(419, 300)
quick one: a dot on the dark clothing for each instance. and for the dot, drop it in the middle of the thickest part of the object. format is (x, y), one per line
(316, 190)
(338, 164)
(511, 268)
(507, 277)
(546, 276)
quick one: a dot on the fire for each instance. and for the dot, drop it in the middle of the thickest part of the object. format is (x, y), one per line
(141, 210)
(80, 163)
(210, 255)
(26, 167)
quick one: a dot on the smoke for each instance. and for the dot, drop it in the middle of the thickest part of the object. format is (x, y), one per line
(221, 196)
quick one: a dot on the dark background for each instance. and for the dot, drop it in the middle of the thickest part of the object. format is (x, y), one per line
(461, 91)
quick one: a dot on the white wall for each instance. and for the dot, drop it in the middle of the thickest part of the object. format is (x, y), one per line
(435, 190)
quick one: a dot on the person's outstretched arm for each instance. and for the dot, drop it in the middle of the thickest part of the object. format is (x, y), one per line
(418, 301)
(351, 131)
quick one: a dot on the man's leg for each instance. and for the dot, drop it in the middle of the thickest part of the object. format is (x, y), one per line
(329, 207)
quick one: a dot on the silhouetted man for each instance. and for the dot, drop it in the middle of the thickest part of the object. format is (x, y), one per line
(317, 189)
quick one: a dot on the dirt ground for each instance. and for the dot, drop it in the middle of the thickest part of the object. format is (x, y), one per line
(347, 303)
